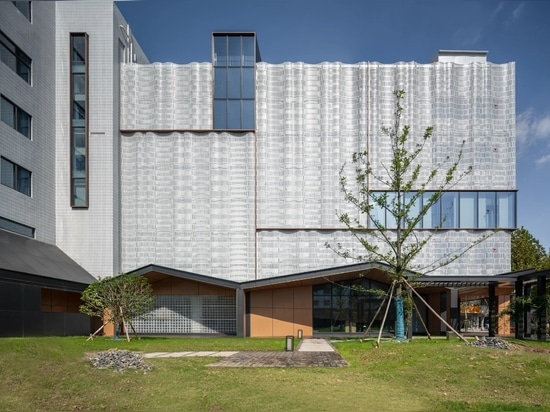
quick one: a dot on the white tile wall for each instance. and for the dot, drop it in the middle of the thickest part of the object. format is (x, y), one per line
(37, 40)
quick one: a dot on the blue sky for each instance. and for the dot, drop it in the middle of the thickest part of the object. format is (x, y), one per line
(386, 31)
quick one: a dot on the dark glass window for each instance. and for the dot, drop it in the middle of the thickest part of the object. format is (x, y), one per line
(453, 210)
(24, 7)
(15, 117)
(349, 306)
(15, 227)
(15, 176)
(234, 58)
(15, 58)
(79, 125)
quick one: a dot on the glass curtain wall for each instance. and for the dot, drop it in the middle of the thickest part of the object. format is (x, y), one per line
(350, 306)
(233, 59)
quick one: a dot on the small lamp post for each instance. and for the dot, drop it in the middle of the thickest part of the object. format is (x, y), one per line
(289, 345)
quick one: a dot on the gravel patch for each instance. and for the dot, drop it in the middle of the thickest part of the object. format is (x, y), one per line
(119, 360)
(494, 343)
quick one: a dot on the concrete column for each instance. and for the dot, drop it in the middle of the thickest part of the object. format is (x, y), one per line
(492, 309)
(454, 308)
(520, 318)
(240, 326)
(541, 324)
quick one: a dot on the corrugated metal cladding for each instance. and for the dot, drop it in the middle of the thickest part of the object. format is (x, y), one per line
(246, 205)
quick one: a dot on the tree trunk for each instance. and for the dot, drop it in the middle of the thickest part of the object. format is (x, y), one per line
(399, 315)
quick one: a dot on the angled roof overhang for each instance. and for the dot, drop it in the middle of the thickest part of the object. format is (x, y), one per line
(156, 273)
(34, 262)
(371, 270)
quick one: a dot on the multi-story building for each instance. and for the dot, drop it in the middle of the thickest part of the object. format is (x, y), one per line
(219, 181)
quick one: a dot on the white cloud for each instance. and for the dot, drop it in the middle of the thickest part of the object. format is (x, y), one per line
(517, 11)
(543, 159)
(500, 6)
(531, 127)
(467, 36)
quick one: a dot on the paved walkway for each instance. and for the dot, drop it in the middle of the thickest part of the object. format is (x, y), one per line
(310, 353)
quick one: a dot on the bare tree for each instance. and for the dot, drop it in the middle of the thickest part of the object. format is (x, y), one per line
(406, 194)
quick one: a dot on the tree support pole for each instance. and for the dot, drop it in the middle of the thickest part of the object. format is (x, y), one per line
(95, 333)
(375, 315)
(385, 315)
(421, 320)
(434, 312)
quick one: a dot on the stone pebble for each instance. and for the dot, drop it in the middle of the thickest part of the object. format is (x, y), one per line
(490, 342)
(119, 360)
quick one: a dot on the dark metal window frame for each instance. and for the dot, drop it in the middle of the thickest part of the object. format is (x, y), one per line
(22, 59)
(457, 226)
(17, 112)
(25, 8)
(14, 184)
(227, 65)
(72, 160)
(16, 227)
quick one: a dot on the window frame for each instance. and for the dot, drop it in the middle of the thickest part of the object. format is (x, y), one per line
(434, 217)
(15, 183)
(17, 113)
(21, 58)
(18, 228)
(228, 96)
(79, 127)
(23, 11)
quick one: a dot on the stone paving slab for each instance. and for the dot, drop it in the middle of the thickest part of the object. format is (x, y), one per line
(282, 360)
(315, 345)
(213, 354)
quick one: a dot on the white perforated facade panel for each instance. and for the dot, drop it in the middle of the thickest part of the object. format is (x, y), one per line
(242, 206)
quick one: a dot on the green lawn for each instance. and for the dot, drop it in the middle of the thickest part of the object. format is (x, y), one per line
(53, 374)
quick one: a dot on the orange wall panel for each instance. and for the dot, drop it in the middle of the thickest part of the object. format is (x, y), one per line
(205, 289)
(261, 324)
(283, 298)
(261, 299)
(163, 287)
(303, 297)
(283, 322)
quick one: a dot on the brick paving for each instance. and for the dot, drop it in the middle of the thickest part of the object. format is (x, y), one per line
(310, 353)
(282, 360)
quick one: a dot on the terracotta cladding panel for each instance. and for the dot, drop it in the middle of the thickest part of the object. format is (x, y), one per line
(46, 297)
(205, 289)
(283, 322)
(303, 297)
(303, 318)
(261, 299)
(59, 298)
(184, 287)
(163, 287)
(261, 323)
(283, 298)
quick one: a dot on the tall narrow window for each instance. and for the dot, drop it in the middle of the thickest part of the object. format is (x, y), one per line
(15, 58)
(79, 120)
(234, 59)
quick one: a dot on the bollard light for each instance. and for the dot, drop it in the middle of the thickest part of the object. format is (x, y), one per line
(289, 343)
(300, 333)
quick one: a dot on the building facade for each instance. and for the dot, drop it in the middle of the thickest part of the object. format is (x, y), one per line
(219, 180)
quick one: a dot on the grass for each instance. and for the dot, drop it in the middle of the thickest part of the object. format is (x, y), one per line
(53, 374)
